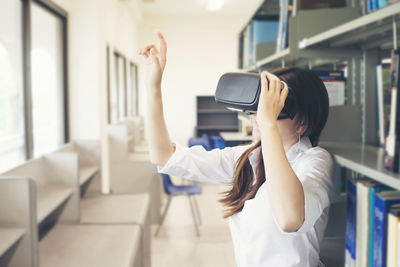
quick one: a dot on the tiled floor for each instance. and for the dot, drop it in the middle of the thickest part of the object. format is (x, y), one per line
(177, 244)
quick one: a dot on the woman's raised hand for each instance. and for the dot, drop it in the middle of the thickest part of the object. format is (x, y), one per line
(155, 62)
(272, 99)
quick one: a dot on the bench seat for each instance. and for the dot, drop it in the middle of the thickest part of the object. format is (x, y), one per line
(49, 197)
(9, 237)
(121, 208)
(86, 173)
(89, 245)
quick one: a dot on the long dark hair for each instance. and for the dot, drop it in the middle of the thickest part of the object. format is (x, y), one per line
(313, 109)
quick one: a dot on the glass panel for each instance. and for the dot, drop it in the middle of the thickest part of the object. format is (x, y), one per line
(114, 92)
(129, 92)
(121, 87)
(12, 139)
(135, 99)
(47, 81)
(118, 101)
(133, 92)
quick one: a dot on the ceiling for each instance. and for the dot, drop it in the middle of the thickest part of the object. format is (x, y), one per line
(230, 7)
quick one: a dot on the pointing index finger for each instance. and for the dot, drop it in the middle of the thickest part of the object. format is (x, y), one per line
(163, 44)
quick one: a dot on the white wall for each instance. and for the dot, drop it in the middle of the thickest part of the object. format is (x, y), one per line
(92, 25)
(200, 49)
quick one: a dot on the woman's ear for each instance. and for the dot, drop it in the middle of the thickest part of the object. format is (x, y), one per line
(301, 127)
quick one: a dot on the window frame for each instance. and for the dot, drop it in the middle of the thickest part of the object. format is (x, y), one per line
(56, 10)
(133, 73)
(113, 83)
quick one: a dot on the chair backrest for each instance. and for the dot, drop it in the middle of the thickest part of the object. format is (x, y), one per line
(200, 141)
(219, 142)
(207, 141)
(167, 183)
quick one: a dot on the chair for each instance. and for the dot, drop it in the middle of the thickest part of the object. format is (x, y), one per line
(177, 190)
(218, 142)
(204, 141)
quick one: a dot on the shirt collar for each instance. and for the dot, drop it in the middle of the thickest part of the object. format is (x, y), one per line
(295, 150)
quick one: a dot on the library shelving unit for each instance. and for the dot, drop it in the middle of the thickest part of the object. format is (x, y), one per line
(301, 26)
(361, 40)
(357, 40)
(213, 118)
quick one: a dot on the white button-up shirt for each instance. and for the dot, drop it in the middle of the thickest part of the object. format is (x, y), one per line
(257, 238)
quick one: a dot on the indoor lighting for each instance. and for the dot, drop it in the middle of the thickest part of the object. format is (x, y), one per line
(214, 5)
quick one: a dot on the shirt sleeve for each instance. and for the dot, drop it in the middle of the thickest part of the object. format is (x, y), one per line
(197, 164)
(317, 179)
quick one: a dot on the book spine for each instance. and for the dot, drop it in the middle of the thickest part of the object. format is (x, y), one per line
(374, 4)
(362, 223)
(392, 141)
(391, 240)
(379, 230)
(379, 87)
(370, 5)
(351, 222)
(398, 238)
(371, 226)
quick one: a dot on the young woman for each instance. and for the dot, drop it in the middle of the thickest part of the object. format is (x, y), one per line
(280, 186)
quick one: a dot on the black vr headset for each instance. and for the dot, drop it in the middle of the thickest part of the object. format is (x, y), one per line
(241, 91)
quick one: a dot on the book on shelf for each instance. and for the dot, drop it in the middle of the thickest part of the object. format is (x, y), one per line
(282, 42)
(363, 244)
(393, 232)
(398, 245)
(383, 202)
(258, 34)
(393, 138)
(371, 5)
(350, 253)
(362, 222)
(262, 32)
(381, 3)
(334, 81)
(383, 98)
(373, 191)
(378, 4)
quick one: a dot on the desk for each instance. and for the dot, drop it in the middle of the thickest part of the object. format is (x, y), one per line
(236, 136)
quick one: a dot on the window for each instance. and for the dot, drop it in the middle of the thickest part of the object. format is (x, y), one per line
(47, 80)
(133, 102)
(12, 137)
(33, 113)
(118, 94)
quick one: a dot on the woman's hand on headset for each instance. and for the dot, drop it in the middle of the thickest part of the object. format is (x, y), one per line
(272, 99)
(155, 62)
